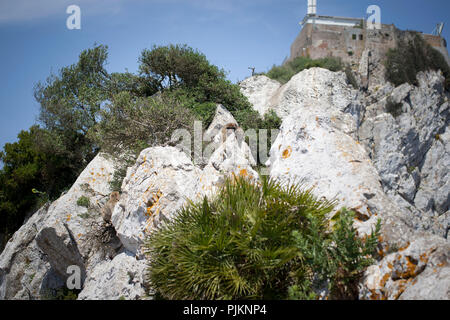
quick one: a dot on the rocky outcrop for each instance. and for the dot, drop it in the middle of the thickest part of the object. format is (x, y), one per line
(330, 142)
(164, 179)
(383, 153)
(120, 278)
(420, 271)
(319, 87)
(35, 260)
(71, 231)
(24, 271)
(317, 148)
(402, 133)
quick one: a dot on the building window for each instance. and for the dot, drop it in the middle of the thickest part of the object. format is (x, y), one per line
(361, 37)
(354, 37)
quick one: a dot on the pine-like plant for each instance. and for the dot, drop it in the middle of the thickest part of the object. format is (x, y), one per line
(252, 241)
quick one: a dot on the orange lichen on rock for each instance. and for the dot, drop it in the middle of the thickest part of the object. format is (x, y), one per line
(382, 251)
(410, 271)
(243, 173)
(287, 152)
(405, 247)
(153, 202)
(401, 288)
(424, 258)
(374, 295)
(385, 279)
(69, 216)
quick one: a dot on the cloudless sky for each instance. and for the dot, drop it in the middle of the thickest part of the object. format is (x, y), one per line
(233, 34)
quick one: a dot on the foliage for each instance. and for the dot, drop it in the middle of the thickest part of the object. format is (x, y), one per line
(60, 294)
(174, 66)
(116, 182)
(70, 104)
(133, 124)
(83, 201)
(411, 57)
(337, 259)
(29, 178)
(256, 241)
(72, 100)
(179, 70)
(285, 72)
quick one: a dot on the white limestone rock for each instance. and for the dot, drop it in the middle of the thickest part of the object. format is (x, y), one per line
(405, 151)
(319, 87)
(24, 271)
(311, 151)
(120, 278)
(67, 235)
(418, 271)
(58, 235)
(434, 191)
(259, 90)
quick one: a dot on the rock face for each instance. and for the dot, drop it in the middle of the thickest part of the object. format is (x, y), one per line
(316, 148)
(259, 90)
(120, 278)
(409, 148)
(420, 270)
(313, 87)
(35, 260)
(362, 157)
(23, 269)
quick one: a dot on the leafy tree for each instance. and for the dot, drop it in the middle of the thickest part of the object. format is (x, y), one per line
(175, 65)
(72, 100)
(71, 103)
(181, 71)
(29, 178)
(256, 241)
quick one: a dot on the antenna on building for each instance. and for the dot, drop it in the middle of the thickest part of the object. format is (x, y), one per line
(312, 7)
(438, 30)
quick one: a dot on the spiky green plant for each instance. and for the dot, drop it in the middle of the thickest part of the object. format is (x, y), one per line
(242, 244)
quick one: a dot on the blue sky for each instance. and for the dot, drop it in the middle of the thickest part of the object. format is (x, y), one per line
(234, 34)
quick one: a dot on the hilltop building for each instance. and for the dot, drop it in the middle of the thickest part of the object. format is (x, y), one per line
(349, 38)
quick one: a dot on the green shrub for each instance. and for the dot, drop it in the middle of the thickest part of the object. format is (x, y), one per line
(285, 72)
(412, 56)
(395, 109)
(83, 202)
(256, 241)
(60, 294)
(351, 77)
(132, 124)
